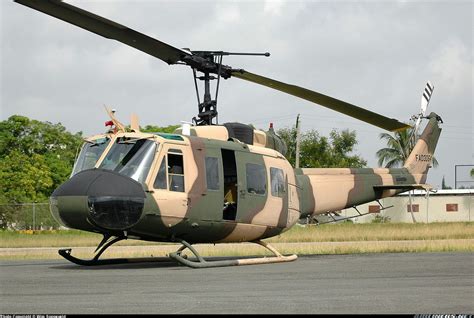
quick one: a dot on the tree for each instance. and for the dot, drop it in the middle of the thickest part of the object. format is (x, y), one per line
(34, 151)
(319, 151)
(443, 185)
(398, 149)
(288, 135)
(32, 136)
(22, 179)
(35, 158)
(25, 178)
(151, 128)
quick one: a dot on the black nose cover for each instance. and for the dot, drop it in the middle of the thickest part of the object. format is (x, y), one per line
(98, 197)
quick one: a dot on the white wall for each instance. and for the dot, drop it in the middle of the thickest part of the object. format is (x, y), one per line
(431, 209)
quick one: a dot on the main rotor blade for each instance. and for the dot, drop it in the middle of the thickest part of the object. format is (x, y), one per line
(107, 28)
(375, 119)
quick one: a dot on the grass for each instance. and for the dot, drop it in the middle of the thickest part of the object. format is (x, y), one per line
(347, 232)
(341, 238)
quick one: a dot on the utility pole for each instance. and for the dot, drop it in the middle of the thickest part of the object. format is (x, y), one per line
(297, 154)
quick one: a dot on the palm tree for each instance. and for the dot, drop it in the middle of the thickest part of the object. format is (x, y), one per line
(399, 148)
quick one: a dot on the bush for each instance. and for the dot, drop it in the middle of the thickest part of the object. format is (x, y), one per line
(381, 219)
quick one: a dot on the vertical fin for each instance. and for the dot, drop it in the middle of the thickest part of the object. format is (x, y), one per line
(421, 157)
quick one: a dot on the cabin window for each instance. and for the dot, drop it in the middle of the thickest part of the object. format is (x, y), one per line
(173, 165)
(256, 179)
(277, 182)
(212, 173)
(416, 208)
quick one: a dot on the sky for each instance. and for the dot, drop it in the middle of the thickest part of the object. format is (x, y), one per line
(375, 54)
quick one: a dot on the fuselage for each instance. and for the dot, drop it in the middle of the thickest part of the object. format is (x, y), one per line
(167, 187)
(196, 189)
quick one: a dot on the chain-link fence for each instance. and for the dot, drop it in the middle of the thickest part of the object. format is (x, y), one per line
(463, 177)
(27, 216)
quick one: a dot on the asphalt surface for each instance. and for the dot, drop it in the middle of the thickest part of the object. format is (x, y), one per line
(334, 284)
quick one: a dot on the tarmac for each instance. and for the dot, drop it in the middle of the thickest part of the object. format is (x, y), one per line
(398, 283)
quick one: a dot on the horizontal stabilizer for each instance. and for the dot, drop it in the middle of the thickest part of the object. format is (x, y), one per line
(415, 186)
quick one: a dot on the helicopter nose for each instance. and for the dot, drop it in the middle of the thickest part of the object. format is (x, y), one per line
(98, 199)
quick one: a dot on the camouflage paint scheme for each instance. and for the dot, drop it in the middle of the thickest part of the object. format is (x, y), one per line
(118, 197)
(196, 215)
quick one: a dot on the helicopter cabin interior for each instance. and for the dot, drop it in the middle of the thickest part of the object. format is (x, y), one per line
(230, 184)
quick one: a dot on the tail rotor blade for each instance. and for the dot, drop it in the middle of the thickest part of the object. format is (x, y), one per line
(425, 97)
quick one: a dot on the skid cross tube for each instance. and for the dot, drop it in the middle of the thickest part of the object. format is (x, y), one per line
(202, 263)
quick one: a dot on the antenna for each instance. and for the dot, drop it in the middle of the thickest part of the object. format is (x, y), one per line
(297, 152)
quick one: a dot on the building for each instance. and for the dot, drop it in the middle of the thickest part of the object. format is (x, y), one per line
(440, 206)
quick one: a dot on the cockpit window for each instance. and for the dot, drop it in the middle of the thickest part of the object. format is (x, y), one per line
(130, 157)
(172, 166)
(90, 153)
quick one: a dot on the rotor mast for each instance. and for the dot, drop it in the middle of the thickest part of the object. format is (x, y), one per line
(208, 108)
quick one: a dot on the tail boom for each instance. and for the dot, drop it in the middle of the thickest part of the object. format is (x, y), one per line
(332, 189)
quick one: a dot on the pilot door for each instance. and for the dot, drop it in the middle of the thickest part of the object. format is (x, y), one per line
(170, 184)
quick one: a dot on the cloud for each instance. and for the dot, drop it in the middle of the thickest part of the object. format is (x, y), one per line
(273, 7)
(228, 12)
(376, 55)
(452, 65)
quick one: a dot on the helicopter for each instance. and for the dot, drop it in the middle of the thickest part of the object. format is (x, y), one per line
(206, 182)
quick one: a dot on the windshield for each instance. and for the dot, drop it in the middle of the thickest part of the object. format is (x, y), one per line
(90, 153)
(130, 157)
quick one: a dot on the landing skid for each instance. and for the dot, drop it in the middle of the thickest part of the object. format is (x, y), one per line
(200, 263)
(66, 253)
(106, 242)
